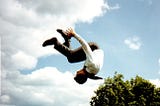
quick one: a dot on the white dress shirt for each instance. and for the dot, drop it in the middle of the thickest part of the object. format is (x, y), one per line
(94, 59)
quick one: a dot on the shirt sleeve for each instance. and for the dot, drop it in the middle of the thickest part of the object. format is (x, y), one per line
(85, 45)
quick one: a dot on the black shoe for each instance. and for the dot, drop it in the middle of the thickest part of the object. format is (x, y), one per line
(63, 34)
(49, 42)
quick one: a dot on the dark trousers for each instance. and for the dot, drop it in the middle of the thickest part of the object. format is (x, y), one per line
(75, 55)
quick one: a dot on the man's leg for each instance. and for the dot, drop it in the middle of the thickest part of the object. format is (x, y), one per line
(66, 38)
(78, 54)
(66, 51)
(72, 55)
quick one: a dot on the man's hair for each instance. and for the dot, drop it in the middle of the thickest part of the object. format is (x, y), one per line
(81, 77)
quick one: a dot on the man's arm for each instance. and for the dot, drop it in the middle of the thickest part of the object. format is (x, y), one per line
(84, 44)
(95, 77)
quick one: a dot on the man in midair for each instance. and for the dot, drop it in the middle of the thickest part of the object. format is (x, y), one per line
(88, 52)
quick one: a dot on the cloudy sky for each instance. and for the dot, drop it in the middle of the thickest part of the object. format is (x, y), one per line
(127, 30)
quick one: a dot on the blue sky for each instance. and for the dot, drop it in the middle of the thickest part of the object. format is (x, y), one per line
(133, 19)
(127, 30)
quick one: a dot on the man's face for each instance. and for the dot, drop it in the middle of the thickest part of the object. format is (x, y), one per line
(82, 72)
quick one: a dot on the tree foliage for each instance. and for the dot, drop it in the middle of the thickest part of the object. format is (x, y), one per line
(135, 92)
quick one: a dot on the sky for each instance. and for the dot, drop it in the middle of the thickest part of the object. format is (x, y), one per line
(128, 31)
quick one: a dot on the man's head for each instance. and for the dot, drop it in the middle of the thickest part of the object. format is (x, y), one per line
(81, 76)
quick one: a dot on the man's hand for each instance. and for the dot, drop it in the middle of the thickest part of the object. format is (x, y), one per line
(70, 32)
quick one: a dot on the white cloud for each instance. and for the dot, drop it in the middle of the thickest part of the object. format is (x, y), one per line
(155, 82)
(5, 99)
(38, 12)
(115, 7)
(48, 87)
(133, 43)
(24, 25)
(23, 61)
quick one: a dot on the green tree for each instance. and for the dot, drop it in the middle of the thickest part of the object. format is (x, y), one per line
(117, 92)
